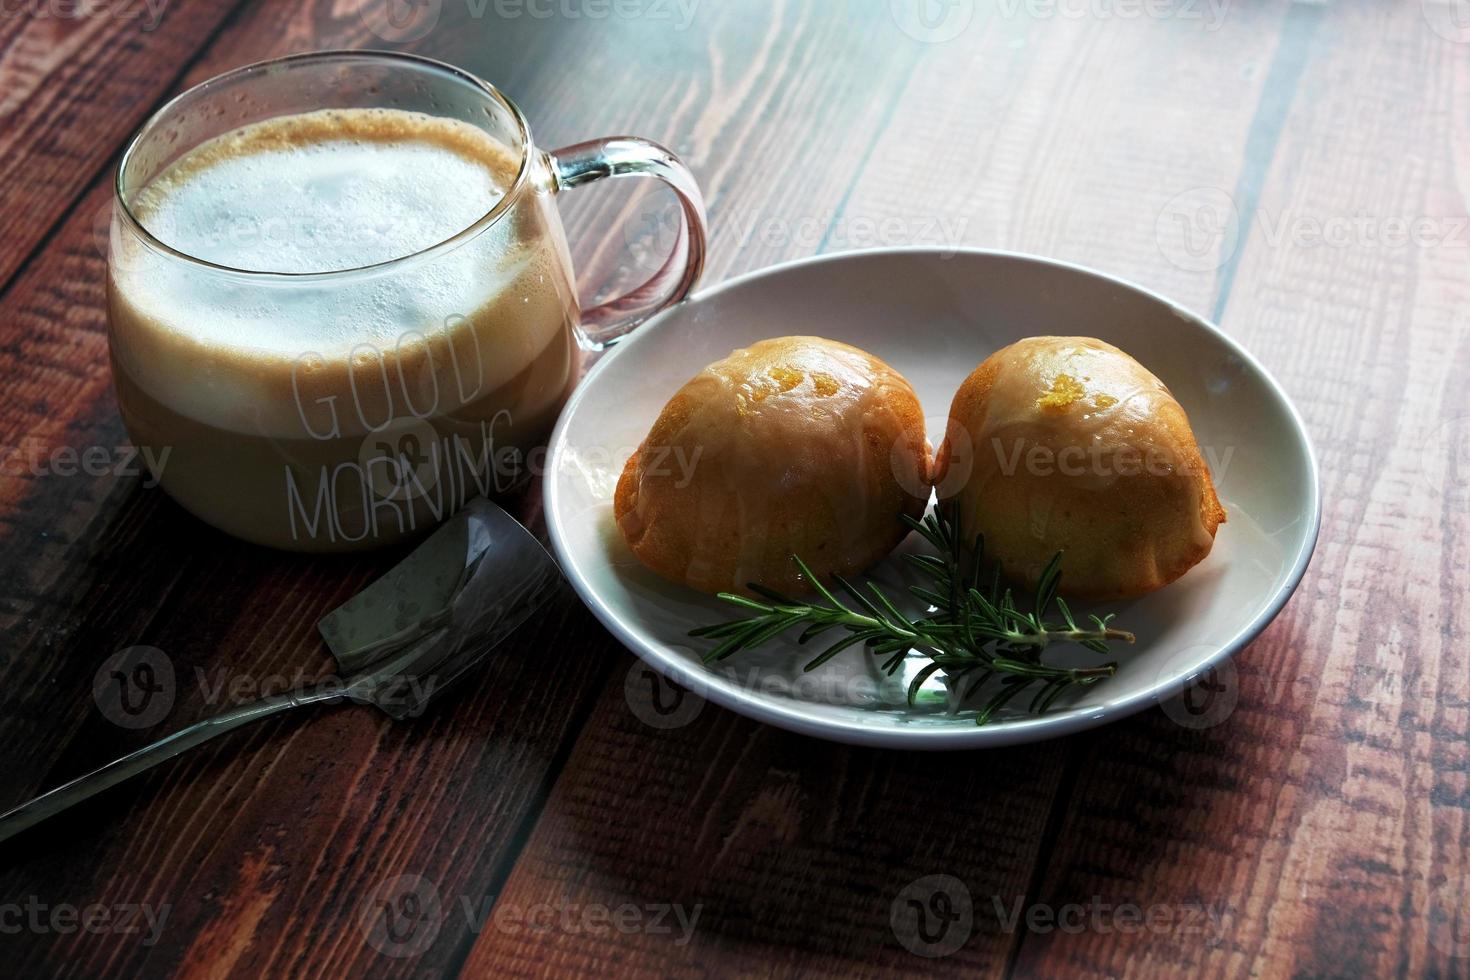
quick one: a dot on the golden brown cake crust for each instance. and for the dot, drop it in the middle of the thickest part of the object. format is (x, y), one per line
(1067, 443)
(796, 445)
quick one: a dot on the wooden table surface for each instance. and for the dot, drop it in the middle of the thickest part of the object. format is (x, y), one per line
(535, 823)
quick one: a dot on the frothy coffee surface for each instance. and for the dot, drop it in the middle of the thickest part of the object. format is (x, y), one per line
(326, 191)
(320, 192)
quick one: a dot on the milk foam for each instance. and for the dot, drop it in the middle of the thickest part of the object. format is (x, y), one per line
(329, 191)
(322, 207)
(322, 192)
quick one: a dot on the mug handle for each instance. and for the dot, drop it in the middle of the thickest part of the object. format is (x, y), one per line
(631, 156)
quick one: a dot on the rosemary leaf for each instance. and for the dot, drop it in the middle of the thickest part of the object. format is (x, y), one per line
(973, 633)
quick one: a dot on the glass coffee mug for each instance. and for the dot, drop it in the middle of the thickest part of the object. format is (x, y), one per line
(343, 374)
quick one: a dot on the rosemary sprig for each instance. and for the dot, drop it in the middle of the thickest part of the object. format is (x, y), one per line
(973, 630)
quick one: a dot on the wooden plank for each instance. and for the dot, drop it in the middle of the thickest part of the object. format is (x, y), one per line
(1324, 819)
(100, 563)
(75, 81)
(722, 848)
(796, 852)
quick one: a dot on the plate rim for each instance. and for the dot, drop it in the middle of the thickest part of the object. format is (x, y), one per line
(1025, 730)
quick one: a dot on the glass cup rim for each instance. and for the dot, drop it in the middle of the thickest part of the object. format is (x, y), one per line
(480, 224)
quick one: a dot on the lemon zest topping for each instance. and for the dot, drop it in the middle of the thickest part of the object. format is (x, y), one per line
(825, 384)
(1064, 391)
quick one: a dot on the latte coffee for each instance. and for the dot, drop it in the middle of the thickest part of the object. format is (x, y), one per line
(317, 371)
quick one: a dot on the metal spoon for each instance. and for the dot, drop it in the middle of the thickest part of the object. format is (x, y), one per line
(401, 642)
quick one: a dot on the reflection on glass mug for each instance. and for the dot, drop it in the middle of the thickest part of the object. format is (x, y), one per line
(340, 300)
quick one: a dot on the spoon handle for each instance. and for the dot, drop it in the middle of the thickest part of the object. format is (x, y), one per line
(53, 802)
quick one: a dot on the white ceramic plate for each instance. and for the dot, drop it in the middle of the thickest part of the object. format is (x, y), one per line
(934, 316)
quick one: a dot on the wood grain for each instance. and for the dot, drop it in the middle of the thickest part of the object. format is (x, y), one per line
(1327, 819)
(562, 820)
(73, 86)
(102, 563)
